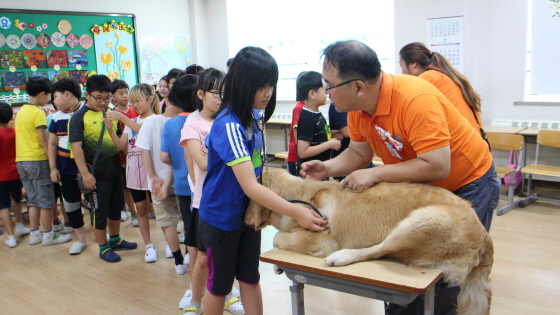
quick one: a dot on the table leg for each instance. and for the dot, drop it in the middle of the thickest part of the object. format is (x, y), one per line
(285, 127)
(429, 301)
(297, 298)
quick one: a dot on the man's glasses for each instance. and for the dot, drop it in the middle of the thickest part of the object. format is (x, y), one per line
(215, 94)
(341, 84)
(100, 100)
(138, 101)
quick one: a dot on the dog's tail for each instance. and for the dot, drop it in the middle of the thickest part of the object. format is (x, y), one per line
(476, 296)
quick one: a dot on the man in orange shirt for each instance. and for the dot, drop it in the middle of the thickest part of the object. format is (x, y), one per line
(417, 132)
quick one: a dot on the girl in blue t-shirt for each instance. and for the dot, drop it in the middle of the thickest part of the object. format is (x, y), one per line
(234, 163)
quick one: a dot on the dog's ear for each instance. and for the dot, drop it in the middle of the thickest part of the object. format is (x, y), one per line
(256, 215)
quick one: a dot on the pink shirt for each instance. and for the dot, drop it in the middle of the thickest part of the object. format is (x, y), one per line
(196, 128)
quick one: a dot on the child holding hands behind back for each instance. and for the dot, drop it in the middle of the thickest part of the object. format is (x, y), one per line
(234, 157)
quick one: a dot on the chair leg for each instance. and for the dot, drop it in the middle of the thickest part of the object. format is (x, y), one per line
(510, 205)
(524, 203)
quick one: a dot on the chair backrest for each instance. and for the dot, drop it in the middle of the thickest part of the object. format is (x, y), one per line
(549, 138)
(505, 141)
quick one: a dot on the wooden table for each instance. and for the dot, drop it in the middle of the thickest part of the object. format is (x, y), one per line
(504, 129)
(385, 280)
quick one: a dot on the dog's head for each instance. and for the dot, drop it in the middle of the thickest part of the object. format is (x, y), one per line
(257, 215)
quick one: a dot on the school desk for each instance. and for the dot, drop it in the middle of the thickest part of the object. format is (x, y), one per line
(385, 280)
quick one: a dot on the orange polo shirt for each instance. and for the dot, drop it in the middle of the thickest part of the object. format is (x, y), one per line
(453, 93)
(414, 117)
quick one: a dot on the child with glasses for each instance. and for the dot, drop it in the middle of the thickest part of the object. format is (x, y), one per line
(313, 135)
(108, 196)
(234, 163)
(197, 127)
(146, 104)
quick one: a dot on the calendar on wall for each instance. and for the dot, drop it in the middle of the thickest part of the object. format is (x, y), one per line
(445, 36)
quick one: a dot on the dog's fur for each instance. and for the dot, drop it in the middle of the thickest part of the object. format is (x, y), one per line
(418, 224)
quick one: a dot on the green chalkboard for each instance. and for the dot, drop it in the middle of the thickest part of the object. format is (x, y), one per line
(78, 44)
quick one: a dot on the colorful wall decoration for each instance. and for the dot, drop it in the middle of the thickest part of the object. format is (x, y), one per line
(114, 53)
(57, 44)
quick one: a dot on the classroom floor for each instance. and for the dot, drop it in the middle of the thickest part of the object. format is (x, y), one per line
(46, 280)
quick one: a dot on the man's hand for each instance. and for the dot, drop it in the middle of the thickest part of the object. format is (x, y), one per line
(314, 169)
(310, 220)
(55, 175)
(359, 180)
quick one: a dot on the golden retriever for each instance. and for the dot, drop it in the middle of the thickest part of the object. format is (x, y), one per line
(417, 224)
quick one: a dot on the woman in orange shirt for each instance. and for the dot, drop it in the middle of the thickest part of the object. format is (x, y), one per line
(416, 59)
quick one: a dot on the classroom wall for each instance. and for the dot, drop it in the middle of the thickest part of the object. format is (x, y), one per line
(495, 49)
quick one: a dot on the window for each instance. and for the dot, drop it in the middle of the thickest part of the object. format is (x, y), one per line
(542, 82)
(295, 32)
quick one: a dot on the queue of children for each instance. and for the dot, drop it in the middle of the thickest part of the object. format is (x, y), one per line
(206, 143)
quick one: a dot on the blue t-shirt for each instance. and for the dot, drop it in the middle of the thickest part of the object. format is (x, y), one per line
(59, 126)
(170, 144)
(223, 201)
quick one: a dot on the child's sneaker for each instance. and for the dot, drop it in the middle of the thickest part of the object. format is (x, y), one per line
(233, 304)
(21, 230)
(192, 310)
(180, 269)
(12, 242)
(77, 248)
(67, 229)
(186, 259)
(110, 256)
(182, 239)
(134, 221)
(124, 245)
(168, 252)
(151, 253)
(124, 215)
(58, 227)
(186, 300)
(35, 237)
(53, 238)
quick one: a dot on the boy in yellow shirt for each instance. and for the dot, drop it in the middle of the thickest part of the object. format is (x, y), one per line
(33, 165)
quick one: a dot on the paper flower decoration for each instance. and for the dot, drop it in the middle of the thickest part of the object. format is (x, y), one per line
(106, 28)
(96, 29)
(92, 72)
(39, 29)
(113, 75)
(114, 25)
(126, 65)
(122, 26)
(21, 26)
(118, 34)
(122, 48)
(45, 26)
(109, 43)
(106, 57)
(31, 25)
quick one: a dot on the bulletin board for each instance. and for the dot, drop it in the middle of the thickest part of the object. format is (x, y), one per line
(58, 44)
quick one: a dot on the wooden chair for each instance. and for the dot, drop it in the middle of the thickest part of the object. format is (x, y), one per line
(547, 138)
(507, 142)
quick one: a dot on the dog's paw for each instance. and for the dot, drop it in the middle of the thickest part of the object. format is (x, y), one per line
(278, 270)
(340, 258)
